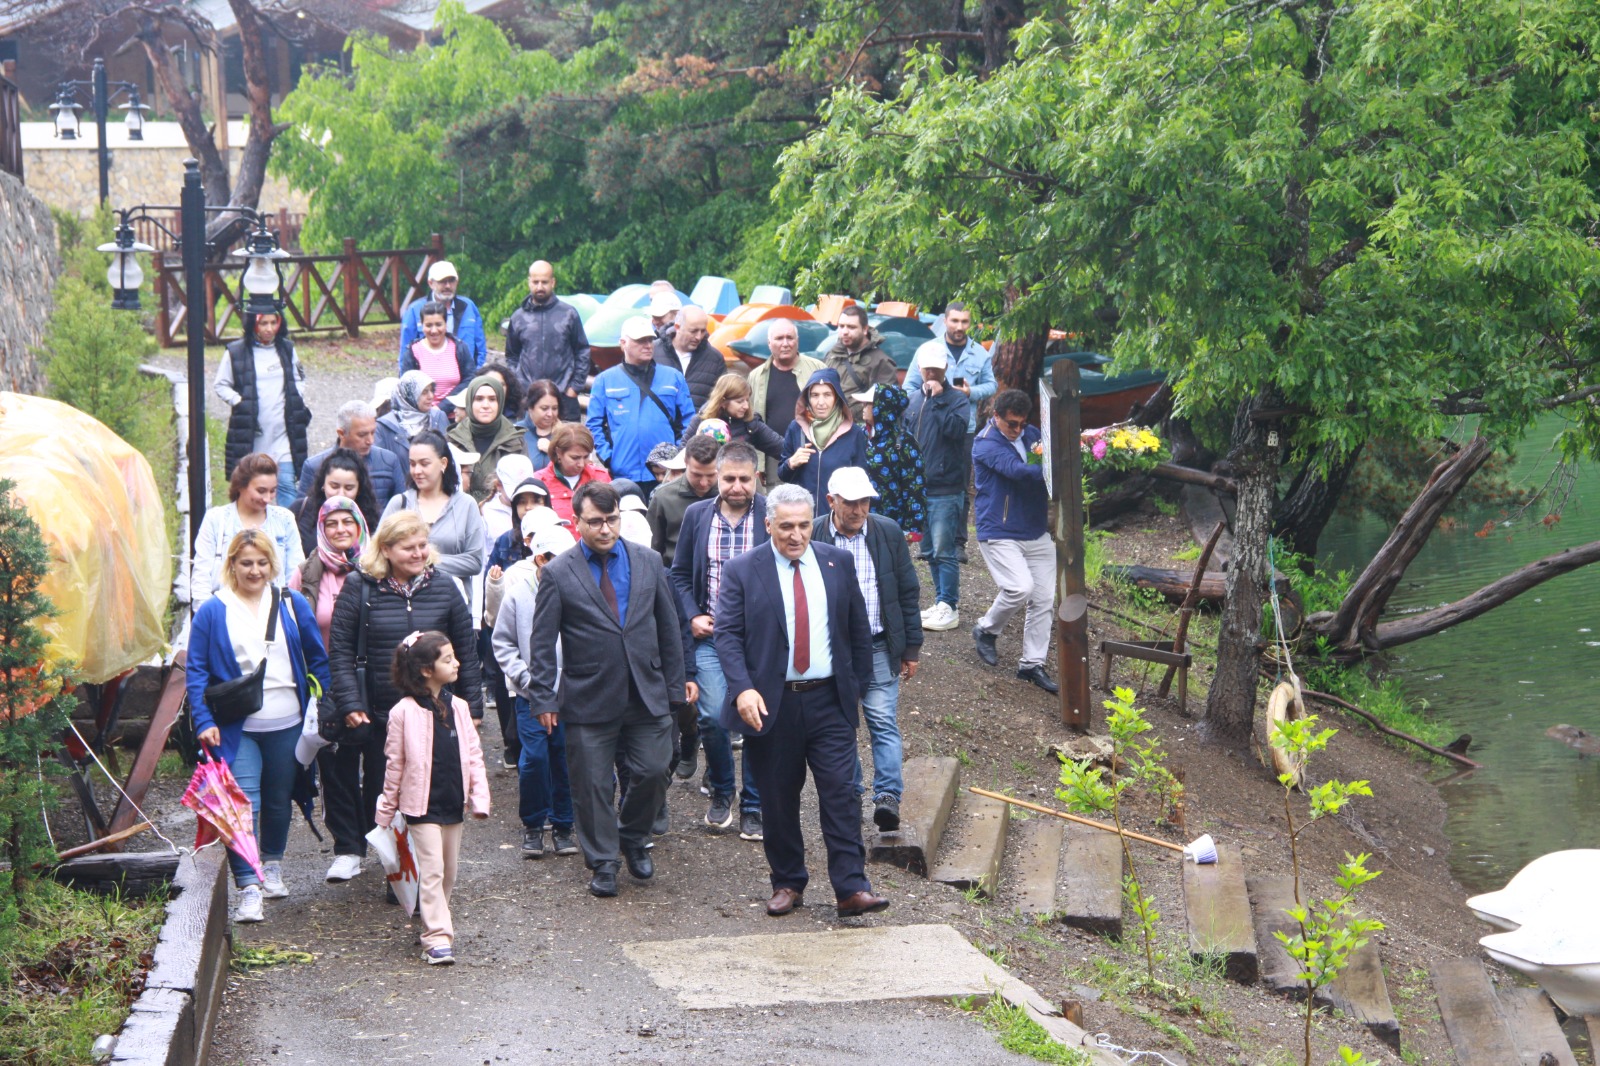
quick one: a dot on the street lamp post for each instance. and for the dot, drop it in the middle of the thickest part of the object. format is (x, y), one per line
(66, 110)
(261, 281)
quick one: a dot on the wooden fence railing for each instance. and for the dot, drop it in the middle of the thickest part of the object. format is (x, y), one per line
(288, 225)
(321, 293)
(10, 129)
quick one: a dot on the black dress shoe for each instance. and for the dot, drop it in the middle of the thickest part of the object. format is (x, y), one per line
(985, 642)
(860, 903)
(640, 864)
(603, 883)
(1037, 675)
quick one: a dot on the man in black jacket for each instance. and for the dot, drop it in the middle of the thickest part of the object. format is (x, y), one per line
(938, 419)
(685, 349)
(888, 580)
(545, 340)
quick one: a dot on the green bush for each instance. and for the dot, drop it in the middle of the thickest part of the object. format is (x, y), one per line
(91, 356)
(32, 710)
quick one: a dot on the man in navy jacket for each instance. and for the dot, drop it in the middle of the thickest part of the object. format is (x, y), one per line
(463, 320)
(714, 531)
(1010, 506)
(794, 644)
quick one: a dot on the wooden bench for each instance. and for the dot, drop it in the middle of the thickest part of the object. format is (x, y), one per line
(1149, 651)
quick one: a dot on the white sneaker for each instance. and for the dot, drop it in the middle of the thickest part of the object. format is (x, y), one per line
(940, 617)
(249, 909)
(272, 886)
(344, 867)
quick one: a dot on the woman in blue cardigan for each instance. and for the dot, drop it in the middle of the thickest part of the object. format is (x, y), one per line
(228, 640)
(822, 438)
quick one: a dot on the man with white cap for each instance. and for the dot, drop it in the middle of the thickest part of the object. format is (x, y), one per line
(545, 340)
(938, 417)
(635, 406)
(664, 308)
(461, 321)
(685, 348)
(888, 581)
(971, 370)
(544, 790)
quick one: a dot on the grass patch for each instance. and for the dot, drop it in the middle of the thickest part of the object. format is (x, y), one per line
(1385, 699)
(1187, 555)
(76, 962)
(1096, 554)
(1021, 1035)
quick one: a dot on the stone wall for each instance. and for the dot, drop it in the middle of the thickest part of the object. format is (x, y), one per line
(28, 268)
(64, 174)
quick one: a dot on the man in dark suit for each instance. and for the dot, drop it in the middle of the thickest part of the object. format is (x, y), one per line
(796, 649)
(715, 531)
(611, 606)
(889, 584)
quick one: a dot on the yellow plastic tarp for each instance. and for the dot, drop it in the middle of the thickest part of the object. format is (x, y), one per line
(97, 503)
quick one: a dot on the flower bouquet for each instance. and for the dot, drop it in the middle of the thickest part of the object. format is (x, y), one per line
(1121, 447)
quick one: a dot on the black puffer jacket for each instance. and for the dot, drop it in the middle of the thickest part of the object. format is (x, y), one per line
(706, 365)
(390, 620)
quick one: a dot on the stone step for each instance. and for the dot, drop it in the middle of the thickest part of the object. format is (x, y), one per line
(1216, 906)
(971, 857)
(1531, 1018)
(1037, 855)
(1471, 1014)
(930, 793)
(1359, 992)
(1090, 896)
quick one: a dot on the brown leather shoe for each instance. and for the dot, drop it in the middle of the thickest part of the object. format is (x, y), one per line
(861, 903)
(783, 901)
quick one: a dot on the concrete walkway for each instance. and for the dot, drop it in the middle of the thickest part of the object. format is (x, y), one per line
(545, 974)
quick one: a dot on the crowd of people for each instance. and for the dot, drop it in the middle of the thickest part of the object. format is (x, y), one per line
(702, 561)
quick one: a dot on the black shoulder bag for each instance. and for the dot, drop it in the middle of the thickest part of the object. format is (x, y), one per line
(233, 701)
(650, 394)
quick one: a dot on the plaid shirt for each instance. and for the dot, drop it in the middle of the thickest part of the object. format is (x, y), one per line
(722, 544)
(866, 573)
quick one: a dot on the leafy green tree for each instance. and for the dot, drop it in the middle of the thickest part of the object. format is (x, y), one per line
(33, 712)
(1327, 222)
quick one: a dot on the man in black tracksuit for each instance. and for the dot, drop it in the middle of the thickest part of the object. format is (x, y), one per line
(545, 340)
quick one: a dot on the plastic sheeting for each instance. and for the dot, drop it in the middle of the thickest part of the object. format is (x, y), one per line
(97, 503)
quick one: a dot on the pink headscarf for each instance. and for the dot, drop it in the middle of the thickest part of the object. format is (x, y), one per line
(334, 560)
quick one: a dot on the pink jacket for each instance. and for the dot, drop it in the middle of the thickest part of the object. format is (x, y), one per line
(409, 749)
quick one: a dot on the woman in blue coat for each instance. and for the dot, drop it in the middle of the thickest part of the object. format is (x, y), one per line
(228, 640)
(822, 438)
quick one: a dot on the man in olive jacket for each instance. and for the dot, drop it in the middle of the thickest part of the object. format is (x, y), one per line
(621, 681)
(889, 583)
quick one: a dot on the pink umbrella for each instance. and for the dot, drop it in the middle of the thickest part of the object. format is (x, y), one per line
(223, 810)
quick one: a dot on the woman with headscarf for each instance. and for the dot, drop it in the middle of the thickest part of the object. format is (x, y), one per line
(822, 438)
(341, 538)
(487, 431)
(342, 474)
(894, 462)
(413, 407)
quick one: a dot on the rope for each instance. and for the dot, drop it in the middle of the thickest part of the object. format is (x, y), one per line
(44, 816)
(1103, 1042)
(1286, 662)
(175, 849)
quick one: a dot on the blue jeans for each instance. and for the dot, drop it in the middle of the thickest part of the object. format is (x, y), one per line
(714, 738)
(544, 792)
(944, 523)
(879, 703)
(265, 767)
(288, 484)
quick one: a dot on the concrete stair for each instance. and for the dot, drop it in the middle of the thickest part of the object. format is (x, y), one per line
(977, 834)
(930, 793)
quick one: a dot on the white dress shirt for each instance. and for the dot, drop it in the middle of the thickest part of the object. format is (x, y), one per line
(816, 610)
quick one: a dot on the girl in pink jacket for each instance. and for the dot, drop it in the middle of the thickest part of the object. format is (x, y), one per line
(435, 775)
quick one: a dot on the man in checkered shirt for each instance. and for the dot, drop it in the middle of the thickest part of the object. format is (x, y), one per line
(715, 530)
(889, 583)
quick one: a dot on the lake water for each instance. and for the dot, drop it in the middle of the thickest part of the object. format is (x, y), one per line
(1507, 676)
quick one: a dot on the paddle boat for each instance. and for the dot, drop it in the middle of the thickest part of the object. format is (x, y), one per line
(754, 350)
(1106, 399)
(1551, 931)
(738, 323)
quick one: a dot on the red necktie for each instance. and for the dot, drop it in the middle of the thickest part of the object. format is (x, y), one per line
(802, 624)
(607, 589)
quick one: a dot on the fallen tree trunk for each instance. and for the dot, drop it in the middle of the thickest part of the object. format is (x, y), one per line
(1175, 585)
(1190, 476)
(1426, 623)
(1351, 628)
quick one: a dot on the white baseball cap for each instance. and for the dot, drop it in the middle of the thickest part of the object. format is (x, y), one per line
(513, 469)
(552, 540)
(441, 270)
(933, 356)
(638, 328)
(851, 483)
(383, 391)
(664, 303)
(865, 397)
(679, 461)
(630, 502)
(540, 519)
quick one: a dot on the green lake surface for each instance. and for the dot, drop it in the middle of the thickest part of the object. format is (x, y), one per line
(1507, 676)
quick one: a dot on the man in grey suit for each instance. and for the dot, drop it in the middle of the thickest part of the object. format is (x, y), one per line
(611, 606)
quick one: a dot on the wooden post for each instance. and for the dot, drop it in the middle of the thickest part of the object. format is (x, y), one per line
(352, 288)
(1062, 422)
(163, 314)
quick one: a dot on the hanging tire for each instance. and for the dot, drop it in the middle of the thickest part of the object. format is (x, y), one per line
(1284, 705)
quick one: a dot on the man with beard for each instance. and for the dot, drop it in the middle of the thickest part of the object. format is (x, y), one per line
(859, 357)
(545, 340)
